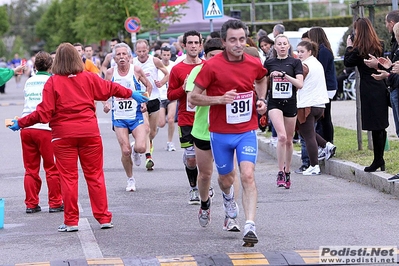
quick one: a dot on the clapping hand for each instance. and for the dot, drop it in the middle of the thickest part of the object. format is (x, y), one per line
(383, 74)
(372, 62)
(385, 62)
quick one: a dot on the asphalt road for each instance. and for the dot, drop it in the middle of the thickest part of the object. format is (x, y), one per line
(157, 220)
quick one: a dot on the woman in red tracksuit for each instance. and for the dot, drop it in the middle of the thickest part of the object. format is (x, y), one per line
(68, 104)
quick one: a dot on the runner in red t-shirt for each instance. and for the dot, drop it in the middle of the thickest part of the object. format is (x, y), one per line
(229, 80)
(192, 42)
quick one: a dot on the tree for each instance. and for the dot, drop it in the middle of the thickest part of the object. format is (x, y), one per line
(4, 24)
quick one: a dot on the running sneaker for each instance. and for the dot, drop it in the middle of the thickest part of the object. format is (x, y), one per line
(312, 170)
(301, 169)
(280, 179)
(230, 207)
(151, 147)
(230, 225)
(211, 192)
(250, 237)
(321, 154)
(287, 184)
(136, 156)
(394, 178)
(204, 217)
(170, 146)
(194, 197)
(329, 150)
(67, 228)
(149, 164)
(131, 184)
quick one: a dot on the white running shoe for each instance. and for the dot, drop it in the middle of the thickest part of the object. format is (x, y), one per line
(211, 192)
(230, 207)
(136, 155)
(194, 197)
(250, 237)
(230, 225)
(321, 154)
(312, 170)
(204, 217)
(131, 184)
(170, 146)
(329, 150)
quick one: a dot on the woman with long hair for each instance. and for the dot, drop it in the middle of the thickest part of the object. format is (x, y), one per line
(373, 93)
(326, 58)
(311, 102)
(285, 77)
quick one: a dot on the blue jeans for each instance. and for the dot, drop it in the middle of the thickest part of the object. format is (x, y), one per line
(395, 109)
(304, 153)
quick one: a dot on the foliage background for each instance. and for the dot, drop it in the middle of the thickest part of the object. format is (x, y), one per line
(27, 26)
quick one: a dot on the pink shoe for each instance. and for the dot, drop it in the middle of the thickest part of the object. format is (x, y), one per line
(280, 179)
(287, 180)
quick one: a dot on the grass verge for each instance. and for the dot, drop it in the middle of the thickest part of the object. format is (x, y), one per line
(346, 142)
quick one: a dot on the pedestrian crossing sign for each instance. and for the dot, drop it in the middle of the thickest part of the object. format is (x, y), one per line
(212, 9)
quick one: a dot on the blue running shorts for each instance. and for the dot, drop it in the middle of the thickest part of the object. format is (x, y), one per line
(223, 147)
(130, 124)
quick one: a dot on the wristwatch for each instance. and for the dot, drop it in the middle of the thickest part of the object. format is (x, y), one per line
(283, 74)
(263, 100)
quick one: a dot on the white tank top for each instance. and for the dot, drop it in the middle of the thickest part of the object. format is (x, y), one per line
(33, 96)
(164, 89)
(151, 73)
(124, 108)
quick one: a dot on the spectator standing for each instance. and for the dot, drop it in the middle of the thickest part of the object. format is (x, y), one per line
(326, 58)
(311, 101)
(373, 93)
(36, 144)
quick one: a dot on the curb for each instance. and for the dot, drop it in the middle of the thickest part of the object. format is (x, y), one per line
(300, 257)
(340, 168)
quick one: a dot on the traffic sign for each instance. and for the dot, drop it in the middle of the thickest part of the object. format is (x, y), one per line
(212, 9)
(132, 24)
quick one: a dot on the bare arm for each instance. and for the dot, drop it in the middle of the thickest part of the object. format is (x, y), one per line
(105, 64)
(196, 97)
(143, 79)
(261, 88)
(108, 76)
(158, 63)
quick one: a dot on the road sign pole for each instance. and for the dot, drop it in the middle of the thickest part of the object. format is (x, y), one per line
(211, 25)
(134, 40)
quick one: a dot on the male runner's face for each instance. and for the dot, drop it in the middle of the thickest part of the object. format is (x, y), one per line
(165, 56)
(122, 56)
(142, 52)
(112, 45)
(193, 46)
(88, 52)
(79, 49)
(235, 43)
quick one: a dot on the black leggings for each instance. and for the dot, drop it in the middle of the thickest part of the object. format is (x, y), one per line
(325, 126)
(308, 132)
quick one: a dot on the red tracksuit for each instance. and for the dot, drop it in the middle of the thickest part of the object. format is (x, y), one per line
(36, 144)
(68, 104)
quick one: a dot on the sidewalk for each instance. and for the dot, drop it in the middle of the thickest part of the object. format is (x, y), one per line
(344, 115)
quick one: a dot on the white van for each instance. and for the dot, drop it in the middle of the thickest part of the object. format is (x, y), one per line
(334, 35)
